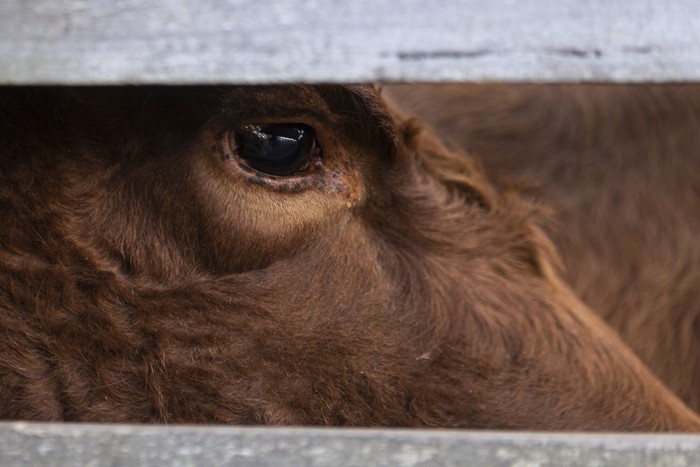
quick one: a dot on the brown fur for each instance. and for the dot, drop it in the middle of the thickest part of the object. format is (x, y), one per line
(147, 278)
(618, 169)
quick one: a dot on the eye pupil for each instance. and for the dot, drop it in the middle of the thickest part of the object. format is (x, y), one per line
(276, 150)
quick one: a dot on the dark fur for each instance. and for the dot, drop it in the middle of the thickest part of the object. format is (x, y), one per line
(618, 170)
(147, 278)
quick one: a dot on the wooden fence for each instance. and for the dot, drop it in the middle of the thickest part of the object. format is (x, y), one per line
(262, 41)
(130, 445)
(258, 41)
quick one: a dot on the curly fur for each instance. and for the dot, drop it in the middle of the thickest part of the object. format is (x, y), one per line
(147, 278)
(617, 168)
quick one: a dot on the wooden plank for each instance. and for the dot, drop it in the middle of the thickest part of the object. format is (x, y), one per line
(71, 444)
(260, 41)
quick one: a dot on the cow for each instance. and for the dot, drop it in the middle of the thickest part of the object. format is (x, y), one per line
(285, 255)
(617, 167)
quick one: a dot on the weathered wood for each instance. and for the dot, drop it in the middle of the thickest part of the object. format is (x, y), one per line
(69, 444)
(246, 41)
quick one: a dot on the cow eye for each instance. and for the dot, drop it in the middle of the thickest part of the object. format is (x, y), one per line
(276, 150)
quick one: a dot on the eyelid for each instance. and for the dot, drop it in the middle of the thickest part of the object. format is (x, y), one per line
(302, 116)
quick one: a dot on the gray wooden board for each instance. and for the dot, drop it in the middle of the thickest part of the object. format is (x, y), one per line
(26, 444)
(260, 41)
